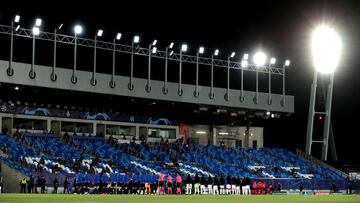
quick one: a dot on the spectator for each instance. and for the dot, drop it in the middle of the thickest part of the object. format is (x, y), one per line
(56, 185)
(23, 183)
(65, 185)
(31, 184)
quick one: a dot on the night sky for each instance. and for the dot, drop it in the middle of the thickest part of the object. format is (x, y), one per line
(280, 28)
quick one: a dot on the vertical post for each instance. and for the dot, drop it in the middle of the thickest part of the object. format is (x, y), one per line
(269, 94)
(112, 81)
(196, 93)
(310, 124)
(73, 77)
(228, 81)
(131, 85)
(10, 70)
(52, 75)
(180, 91)
(93, 79)
(211, 95)
(148, 85)
(283, 95)
(242, 85)
(31, 73)
(256, 99)
(325, 146)
(165, 88)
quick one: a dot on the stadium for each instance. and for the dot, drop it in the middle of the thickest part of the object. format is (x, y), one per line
(109, 105)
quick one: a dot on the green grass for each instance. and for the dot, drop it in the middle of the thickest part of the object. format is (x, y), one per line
(59, 198)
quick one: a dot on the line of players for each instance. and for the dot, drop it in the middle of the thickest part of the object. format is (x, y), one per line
(165, 185)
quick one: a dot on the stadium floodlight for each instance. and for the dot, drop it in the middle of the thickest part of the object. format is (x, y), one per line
(35, 31)
(268, 113)
(223, 133)
(171, 53)
(38, 22)
(326, 49)
(184, 47)
(272, 61)
(216, 52)
(232, 55)
(259, 58)
(60, 26)
(287, 63)
(136, 39)
(201, 50)
(154, 42)
(171, 45)
(118, 36)
(99, 33)
(154, 49)
(246, 56)
(17, 19)
(17, 28)
(244, 63)
(200, 132)
(78, 29)
(16, 88)
(272, 115)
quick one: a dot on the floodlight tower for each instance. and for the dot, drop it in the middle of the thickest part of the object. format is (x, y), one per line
(93, 78)
(201, 51)
(16, 19)
(53, 75)
(171, 45)
(244, 64)
(259, 60)
(77, 30)
(112, 81)
(226, 96)
(35, 32)
(136, 40)
(184, 48)
(326, 51)
(152, 50)
(211, 94)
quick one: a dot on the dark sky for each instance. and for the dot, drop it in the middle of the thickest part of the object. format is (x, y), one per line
(281, 28)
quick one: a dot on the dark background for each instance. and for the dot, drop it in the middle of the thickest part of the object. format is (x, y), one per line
(280, 28)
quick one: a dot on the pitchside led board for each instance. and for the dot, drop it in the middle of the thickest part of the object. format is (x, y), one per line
(66, 78)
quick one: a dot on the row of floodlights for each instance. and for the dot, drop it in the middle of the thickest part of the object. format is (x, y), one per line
(259, 58)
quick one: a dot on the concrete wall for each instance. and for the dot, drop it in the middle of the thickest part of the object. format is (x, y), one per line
(11, 179)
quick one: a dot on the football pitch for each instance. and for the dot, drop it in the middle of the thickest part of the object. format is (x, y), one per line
(59, 198)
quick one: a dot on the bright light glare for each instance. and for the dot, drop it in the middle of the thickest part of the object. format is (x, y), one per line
(232, 55)
(287, 63)
(246, 56)
(16, 88)
(99, 33)
(201, 50)
(154, 49)
(38, 22)
(272, 115)
(60, 26)
(118, 36)
(184, 47)
(17, 19)
(171, 45)
(216, 52)
(171, 53)
(78, 29)
(326, 49)
(17, 28)
(268, 113)
(136, 39)
(244, 63)
(154, 42)
(259, 58)
(36, 31)
(272, 61)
